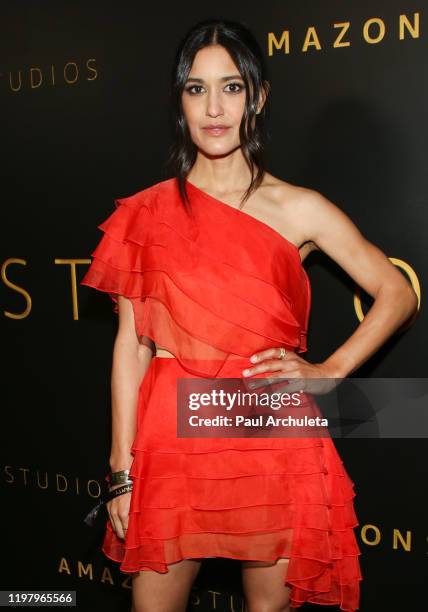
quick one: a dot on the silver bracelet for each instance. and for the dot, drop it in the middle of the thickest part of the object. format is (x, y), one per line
(120, 477)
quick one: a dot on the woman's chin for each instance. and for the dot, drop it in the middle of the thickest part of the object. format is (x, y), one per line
(218, 150)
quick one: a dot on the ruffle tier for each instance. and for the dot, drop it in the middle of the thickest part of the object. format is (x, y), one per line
(258, 499)
(195, 289)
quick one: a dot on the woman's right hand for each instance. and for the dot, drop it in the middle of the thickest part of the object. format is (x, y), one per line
(118, 510)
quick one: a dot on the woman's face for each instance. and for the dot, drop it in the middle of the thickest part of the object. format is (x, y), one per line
(213, 101)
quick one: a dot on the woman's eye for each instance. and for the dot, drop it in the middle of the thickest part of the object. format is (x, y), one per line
(237, 87)
(189, 89)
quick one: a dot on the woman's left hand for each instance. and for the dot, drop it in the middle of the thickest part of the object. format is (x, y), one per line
(304, 376)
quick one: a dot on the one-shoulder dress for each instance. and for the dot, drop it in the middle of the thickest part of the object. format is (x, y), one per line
(213, 287)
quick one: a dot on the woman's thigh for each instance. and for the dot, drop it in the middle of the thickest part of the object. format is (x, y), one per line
(264, 585)
(156, 592)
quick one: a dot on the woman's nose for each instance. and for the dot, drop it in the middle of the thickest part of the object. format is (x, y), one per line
(214, 105)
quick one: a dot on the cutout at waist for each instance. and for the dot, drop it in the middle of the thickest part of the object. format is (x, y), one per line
(163, 353)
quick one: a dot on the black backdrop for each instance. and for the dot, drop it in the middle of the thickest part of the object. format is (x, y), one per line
(84, 95)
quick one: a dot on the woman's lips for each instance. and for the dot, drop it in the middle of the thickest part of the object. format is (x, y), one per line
(216, 131)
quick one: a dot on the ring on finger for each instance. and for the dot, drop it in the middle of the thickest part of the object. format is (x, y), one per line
(282, 352)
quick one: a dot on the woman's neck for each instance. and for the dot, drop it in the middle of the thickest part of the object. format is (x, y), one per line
(229, 174)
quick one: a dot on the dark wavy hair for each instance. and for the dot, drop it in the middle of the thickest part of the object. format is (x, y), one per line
(245, 51)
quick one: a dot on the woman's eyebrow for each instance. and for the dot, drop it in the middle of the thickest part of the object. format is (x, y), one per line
(225, 78)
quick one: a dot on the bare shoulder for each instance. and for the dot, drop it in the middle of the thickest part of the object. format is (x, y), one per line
(293, 206)
(323, 225)
(288, 194)
(317, 218)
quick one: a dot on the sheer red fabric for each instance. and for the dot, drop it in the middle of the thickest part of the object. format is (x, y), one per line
(197, 290)
(213, 288)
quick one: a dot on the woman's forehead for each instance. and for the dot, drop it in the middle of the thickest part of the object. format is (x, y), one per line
(212, 61)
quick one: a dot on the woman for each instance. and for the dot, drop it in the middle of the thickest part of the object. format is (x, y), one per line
(216, 291)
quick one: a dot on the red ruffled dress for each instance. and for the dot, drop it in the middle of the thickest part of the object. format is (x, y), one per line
(213, 287)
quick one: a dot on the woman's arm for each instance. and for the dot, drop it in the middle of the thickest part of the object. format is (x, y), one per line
(394, 298)
(320, 224)
(130, 363)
